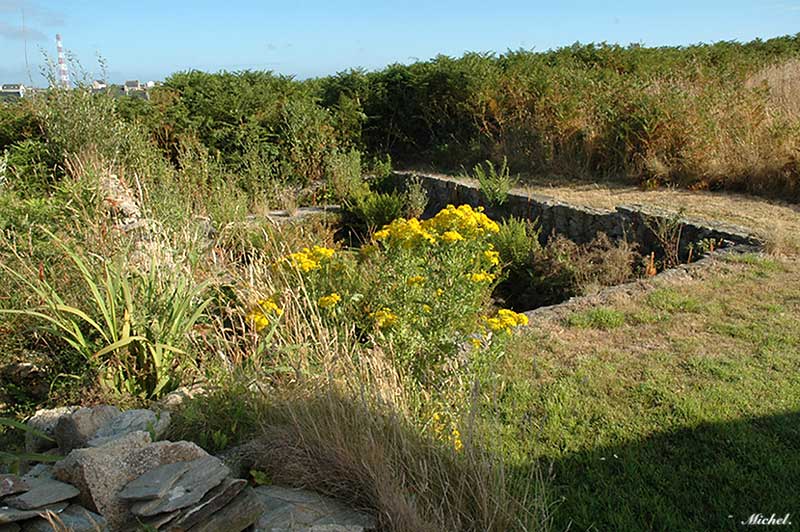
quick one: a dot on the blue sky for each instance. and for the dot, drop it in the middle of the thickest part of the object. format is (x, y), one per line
(149, 39)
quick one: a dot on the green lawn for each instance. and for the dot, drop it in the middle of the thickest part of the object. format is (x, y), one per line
(677, 409)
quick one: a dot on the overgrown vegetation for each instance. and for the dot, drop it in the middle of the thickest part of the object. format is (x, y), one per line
(537, 275)
(375, 366)
(129, 270)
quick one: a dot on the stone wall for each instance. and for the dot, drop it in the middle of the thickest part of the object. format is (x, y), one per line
(578, 223)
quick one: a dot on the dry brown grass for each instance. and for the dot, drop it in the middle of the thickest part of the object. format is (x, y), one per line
(374, 457)
(782, 81)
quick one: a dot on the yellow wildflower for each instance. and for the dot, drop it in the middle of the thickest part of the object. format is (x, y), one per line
(310, 259)
(426, 309)
(416, 279)
(259, 321)
(329, 300)
(452, 236)
(476, 342)
(320, 252)
(512, 317)
(407, 233)
(493, 257)
(481, 277)
(506, 320)
(258, 316)
(457, 443)
(384, 318)
(464, 219)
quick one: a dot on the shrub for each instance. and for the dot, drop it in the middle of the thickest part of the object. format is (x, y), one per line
(416, 198)
(517, 242)
(344, 176)
(537, 276)
(368, 210)
(422, 287)
(495, 182)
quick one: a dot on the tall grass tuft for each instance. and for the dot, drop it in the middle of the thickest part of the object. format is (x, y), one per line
(133, 326)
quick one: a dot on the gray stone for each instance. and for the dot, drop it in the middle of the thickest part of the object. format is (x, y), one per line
(13, 515)
(155, 483)
(11, 484)
(160, 521)
(74, 518)
(131, 421)
(102, 472)
(296, 510)
(10, 527)
(204, 473)
(177, 398)
(213, 501)
(73, 431)
(42, 492)
(239, 514)
(39, 471)
(45, 421)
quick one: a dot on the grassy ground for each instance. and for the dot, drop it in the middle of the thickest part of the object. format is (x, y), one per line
(670, 408)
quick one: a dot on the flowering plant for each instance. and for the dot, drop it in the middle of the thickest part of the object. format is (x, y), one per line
(422, 286)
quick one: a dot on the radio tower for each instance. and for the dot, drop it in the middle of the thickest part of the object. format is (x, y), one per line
(63, 77)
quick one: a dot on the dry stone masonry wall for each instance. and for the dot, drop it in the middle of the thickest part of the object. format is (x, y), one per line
(579, 223)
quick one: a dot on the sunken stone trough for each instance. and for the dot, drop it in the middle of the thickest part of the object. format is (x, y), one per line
(637, 224)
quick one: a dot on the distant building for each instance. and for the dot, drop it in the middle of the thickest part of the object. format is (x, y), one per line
(132, 85)
(98, 85)
(13, 90)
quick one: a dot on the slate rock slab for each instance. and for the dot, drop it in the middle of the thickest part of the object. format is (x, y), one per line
(75, 518)
(203, 474)
(13, 515)
(131, 421)
(155, 483)
(11, 484)
(75, 430)
(102, 472)
(301, 510)
(39, 471)
(42, 492)
(238, 515)
(45, 420)
(159, 521)
(211, 503)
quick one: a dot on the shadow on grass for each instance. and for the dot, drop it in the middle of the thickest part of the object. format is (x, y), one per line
(711, 477)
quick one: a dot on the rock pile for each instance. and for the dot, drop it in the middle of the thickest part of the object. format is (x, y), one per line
(116, 478)
(32, 502)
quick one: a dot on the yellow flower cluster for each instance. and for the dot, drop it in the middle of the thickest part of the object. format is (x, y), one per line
(506, 320)
(310, 259)
(463, 219)
(259, 315)
(405, 232)
(451, 224)
(384, 318)
(451, 236)
(440, 428)
(492, 256)
(481, 277)
(415, 280)
(330, 300)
